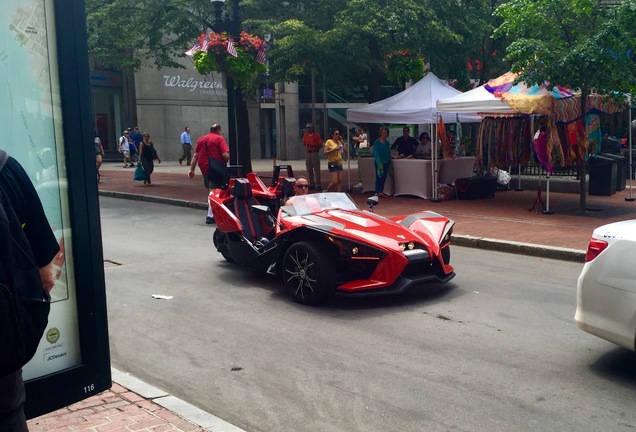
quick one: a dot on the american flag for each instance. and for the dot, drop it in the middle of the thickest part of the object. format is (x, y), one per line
(194, 49)
(230, 47)
(260, 55)
(206, 43)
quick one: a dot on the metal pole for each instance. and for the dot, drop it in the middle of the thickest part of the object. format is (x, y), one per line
(519, 188)
(234, 28)
(231, 119)
(547, 210)
(434, 160)
(348, 158)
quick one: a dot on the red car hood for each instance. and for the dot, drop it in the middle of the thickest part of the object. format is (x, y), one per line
(370, 228)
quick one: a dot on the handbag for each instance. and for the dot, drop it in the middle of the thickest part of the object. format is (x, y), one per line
(139, 174)
(216, 172)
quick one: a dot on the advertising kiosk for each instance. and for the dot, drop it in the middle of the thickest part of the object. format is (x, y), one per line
(45, 119)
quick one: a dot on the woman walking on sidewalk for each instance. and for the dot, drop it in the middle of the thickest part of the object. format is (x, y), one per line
(147, 155)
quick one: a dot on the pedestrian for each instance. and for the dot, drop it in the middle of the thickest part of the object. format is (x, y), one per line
(382, 160)
(186, 146)
(353, 143)
(362, 139)
(147, 156)
(136, 136)
(424, 149)
(99, 155)
(132, 148)
(313, 144)
(123, 146)
(405, 145)
(24, 222)
(212, 148)
(334, 148)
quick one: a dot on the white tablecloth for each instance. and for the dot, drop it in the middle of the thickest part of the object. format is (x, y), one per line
(413, 176)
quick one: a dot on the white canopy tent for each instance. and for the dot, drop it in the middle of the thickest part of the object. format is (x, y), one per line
(477, 100)
(415, 105)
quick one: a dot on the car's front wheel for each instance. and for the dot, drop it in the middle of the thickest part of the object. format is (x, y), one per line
(309, 273)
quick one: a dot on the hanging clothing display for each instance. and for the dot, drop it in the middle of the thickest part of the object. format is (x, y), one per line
(576, 140)
(593, 132)
(554, 147)
(504, 142)
(541, 149)
(443, 137)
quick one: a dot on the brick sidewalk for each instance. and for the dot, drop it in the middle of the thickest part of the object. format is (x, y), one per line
(117, 409)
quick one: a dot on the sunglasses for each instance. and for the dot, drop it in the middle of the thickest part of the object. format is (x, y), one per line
(337, 133)
(302, 186)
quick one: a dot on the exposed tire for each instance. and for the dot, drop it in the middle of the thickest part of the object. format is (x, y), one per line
(308, 273)
(446, 255)
(221, 243)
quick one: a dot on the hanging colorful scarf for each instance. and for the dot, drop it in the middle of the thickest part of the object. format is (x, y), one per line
(445, 140)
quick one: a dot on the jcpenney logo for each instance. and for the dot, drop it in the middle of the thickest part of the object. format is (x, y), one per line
(191, 83)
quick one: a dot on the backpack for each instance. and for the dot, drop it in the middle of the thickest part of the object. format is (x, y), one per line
(24, 304)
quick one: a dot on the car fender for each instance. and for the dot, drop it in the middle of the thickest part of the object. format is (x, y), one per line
(226, 220)
(433, 226)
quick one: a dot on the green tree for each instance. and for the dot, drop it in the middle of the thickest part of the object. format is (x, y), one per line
(581, 44)
(129, 34)
(347, 41)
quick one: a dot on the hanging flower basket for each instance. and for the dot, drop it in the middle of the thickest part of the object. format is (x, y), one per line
(404, 65)
(211, 55)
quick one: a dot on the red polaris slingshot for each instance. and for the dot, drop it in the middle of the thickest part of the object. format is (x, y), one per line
(322, 244)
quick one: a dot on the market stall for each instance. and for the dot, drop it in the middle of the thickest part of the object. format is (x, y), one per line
(414, 176)
(415, 105)
(506, 136)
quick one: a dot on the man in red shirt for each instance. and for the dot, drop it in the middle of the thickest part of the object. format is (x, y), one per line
(313, 144)
(212, 146)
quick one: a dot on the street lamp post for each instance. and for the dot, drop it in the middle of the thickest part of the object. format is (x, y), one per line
(233, 29)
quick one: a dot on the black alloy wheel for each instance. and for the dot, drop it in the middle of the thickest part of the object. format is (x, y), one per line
(309, 273)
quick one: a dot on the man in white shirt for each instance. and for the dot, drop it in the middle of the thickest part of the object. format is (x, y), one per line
(124, 147)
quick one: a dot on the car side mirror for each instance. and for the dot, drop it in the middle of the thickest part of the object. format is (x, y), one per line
(372, 202)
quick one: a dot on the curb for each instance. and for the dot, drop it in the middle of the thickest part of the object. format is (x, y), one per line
(178, 406)
(155, 199)
(529, 249)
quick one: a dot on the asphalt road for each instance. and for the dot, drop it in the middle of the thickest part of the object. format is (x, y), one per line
(494, 350)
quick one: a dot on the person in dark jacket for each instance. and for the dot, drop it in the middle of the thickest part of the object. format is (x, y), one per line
(18, 193)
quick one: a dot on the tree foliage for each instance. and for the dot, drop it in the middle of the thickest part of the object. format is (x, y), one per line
(575, 43)
(344, 41)
(130, 34)
(347, 41)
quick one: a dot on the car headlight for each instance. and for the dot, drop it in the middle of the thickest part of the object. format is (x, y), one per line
(405, 246)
